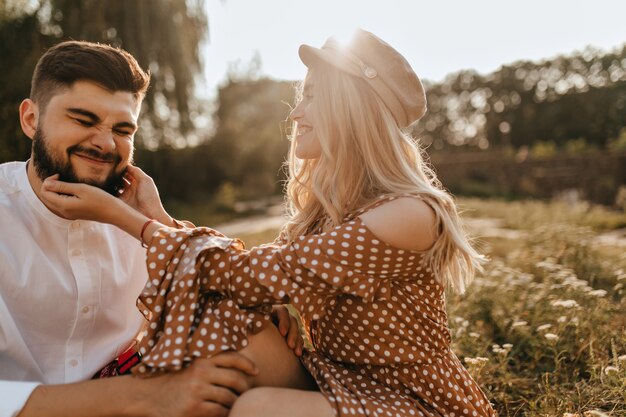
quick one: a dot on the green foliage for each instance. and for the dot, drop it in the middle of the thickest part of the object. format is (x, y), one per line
(618, 144)
(577, 146)
(543, 149)
(560, 99)
(247, 150)
(250, 144)
(22, 43)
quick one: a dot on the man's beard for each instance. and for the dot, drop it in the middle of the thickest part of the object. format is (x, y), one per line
(46, 163)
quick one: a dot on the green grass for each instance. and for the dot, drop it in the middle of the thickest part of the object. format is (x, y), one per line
(543, 329)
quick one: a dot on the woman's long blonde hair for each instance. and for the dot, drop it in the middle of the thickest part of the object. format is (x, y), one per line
(365, 155)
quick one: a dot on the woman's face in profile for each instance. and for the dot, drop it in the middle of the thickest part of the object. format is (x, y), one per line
(307, 142)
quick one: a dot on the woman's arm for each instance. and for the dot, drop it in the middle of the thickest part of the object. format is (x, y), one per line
(82, 201)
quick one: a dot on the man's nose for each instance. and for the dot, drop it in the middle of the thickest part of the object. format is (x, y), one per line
(104, 140)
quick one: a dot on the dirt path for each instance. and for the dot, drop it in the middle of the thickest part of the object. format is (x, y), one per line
(274, 218)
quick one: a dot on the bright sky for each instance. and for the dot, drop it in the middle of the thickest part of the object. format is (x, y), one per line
(437, 36)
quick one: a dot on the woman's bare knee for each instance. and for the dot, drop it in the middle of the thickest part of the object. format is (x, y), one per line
(278, 365)
(279, 402)
(255, 402)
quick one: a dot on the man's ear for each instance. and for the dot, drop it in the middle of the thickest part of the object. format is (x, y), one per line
(29, 117)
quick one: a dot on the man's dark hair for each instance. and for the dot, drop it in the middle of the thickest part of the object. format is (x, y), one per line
(67, 62)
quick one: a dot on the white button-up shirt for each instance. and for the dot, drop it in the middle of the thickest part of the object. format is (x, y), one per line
(68, 293)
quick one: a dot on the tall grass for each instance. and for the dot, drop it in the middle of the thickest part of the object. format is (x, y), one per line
(543, 330)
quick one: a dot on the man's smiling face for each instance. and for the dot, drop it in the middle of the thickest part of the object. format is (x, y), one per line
(86, 134)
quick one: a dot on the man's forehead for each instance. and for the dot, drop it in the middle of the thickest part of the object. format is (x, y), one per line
(98, 100)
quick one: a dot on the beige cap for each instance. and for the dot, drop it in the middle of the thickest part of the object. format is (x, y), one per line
(385, 70)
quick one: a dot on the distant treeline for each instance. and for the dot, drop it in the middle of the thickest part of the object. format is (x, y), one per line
(576, 97)
(567, 106)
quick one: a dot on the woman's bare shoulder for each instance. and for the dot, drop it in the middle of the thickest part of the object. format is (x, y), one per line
(406, 223)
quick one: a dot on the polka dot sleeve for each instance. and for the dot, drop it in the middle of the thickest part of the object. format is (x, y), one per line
(203, 284)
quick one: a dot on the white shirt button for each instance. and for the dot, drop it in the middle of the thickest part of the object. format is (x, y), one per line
(73, 362)
(75, 225)
(76, 252)
(85, 309)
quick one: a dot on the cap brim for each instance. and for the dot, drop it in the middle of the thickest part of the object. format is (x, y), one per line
(311, 56)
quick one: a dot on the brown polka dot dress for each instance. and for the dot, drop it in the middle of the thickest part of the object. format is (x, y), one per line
(374, 313)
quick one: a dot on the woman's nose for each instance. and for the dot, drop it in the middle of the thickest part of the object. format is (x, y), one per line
(296, 113)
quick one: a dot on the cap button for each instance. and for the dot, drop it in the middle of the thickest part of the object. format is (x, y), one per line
(370, 72)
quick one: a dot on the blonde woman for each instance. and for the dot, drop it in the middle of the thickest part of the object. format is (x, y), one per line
(371, 243)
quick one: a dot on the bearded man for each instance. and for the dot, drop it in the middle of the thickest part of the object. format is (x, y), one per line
(68, 289)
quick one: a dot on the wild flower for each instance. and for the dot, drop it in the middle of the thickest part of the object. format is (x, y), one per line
(575, 283)
(479, 360)
(519, 323)
(565, 303)
(562, 319)
(544, 327)
(548, 265)
(551, 336)
(507, 346)
(610, 370)
(621, 358)
(499, 350)
(571, 415)
(598, 293)
(474, 335)
(595, 413)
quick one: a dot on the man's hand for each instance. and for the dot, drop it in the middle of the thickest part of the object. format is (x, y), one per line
(207, 388)
(288, 328)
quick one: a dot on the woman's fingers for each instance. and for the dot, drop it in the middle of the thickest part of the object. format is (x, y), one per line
(294, 332)
(283, 317)
(295, 341)
(137, 173)
(54, 185)
(288, 327)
